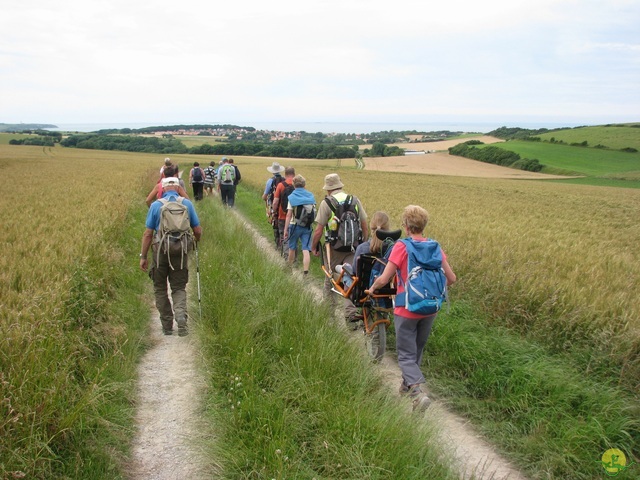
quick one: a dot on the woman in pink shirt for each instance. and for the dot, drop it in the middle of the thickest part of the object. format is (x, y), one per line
(412, 330)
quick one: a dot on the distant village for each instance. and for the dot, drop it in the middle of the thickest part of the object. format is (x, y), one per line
(239, 133)
(250, 133)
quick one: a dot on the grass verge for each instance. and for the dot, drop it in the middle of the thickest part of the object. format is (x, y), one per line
(553, 421)
(293, 397)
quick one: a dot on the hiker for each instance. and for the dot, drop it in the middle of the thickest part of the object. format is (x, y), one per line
(379, 221)
(209, 178)
(157, 191)
(196, 179)
(269, 190)
(226, 187)
(412, 329)
(279, 205)
(166, 264)
(167, 162)
(238, 177)
(335, 249)
(301, 213)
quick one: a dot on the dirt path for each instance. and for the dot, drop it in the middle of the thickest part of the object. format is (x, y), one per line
(166, 445)
(170, 392)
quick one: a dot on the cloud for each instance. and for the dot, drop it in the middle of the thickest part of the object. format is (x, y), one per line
(329, 58)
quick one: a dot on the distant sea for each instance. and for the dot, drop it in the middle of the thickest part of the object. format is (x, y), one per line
(325, 127)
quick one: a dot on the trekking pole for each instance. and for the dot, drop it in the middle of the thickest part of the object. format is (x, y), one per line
(198, 278)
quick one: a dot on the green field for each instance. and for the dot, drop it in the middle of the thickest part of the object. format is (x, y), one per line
(6, 137)
(197, 140)
(615, 138)
(619, 168)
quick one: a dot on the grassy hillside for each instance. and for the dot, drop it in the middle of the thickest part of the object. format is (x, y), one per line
(601, 167)
(613, 137)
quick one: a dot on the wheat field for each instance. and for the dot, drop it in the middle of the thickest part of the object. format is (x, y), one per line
(556, 261)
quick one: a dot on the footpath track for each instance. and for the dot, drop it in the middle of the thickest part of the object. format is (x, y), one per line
(168, 445)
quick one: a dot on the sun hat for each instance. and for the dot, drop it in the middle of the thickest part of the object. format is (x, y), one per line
(170, 182)
(275, 168)
(332, 182)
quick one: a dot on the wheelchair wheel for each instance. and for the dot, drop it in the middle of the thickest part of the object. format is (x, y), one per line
(376, 341)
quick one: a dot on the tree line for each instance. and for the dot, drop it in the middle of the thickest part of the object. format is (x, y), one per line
(495, 155)
(42, 138)
(282, 148)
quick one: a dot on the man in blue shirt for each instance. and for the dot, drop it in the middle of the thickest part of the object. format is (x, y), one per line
(171, 267)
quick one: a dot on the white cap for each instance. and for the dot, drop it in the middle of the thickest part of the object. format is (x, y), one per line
(170, 181)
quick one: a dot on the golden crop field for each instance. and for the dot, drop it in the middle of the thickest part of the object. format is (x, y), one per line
(59, 203)
(558, 261)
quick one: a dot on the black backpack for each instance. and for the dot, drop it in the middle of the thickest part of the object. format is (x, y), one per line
(197, 175)
(304, 215)
(284, 196)
(347, 234)
(277, 179)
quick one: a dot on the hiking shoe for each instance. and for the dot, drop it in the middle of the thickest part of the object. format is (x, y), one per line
(419, 400)
(167, 332)
(421, 403)
(404, 388)
(182, 331)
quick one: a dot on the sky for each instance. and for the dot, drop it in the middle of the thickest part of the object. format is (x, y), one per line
(203, 61)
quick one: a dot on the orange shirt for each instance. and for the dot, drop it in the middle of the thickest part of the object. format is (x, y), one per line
(282, 214)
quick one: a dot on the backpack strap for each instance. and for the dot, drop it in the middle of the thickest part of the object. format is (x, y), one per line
(329, 199)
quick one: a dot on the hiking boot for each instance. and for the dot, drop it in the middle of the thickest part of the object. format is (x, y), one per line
(419, 400)
(167, 331)
(182, 331)
(421, 403)
(404, 388)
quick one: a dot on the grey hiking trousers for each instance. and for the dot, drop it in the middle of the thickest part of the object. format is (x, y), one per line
(411, 339)
(170, 282)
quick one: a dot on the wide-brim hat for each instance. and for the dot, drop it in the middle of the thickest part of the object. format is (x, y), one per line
(275, 168)
(332, 182)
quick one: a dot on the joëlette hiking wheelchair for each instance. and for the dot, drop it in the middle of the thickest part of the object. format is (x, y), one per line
(375, 307)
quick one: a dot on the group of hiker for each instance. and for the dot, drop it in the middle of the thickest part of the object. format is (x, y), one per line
(341, 235)
(226, 175)
(342, 223)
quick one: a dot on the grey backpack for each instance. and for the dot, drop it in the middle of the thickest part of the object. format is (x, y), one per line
(174, 235)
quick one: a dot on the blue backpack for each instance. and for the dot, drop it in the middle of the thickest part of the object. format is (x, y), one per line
(426, 284)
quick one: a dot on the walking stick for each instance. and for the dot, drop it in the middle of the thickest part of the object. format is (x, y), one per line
(198, 278)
